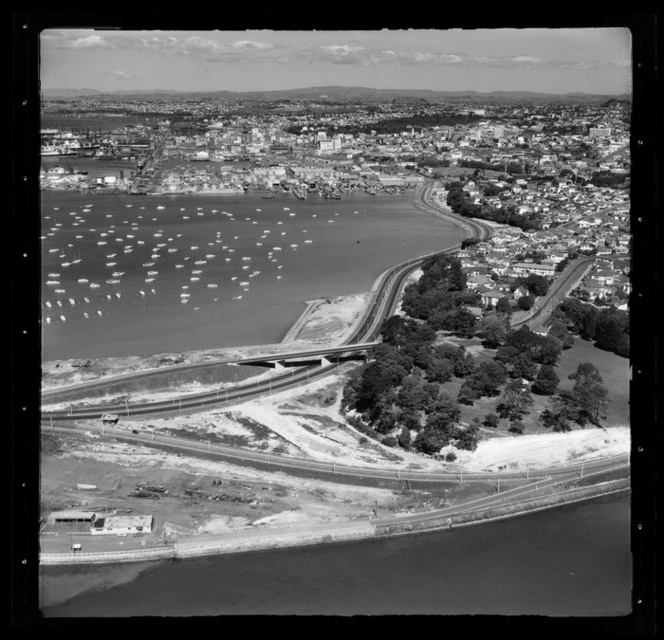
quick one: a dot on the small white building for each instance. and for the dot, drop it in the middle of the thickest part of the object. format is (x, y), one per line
(122, 525)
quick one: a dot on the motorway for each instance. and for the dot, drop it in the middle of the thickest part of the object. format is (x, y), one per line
(385, 300)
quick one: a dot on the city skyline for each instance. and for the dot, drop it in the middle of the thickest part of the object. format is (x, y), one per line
(591, 61)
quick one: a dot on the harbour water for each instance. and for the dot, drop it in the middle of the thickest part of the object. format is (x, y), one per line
(570, 561)
(134, 275)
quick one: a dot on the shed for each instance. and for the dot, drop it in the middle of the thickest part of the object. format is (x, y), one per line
(71, 516)
(110, 418)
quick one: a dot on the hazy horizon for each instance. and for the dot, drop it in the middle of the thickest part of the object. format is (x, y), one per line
(302, 88)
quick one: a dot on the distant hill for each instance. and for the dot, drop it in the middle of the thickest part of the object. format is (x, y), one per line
(347, 94)
(68, 93)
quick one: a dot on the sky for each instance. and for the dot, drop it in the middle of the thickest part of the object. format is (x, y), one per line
(596, 60)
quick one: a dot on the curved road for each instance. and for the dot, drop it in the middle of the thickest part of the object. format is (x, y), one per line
(558, 290)
(384, 303)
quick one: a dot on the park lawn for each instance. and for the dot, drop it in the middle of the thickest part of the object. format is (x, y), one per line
(613, 369)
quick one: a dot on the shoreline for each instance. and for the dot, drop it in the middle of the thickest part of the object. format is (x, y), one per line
(350, 532)
(82, 578)
(197, 356)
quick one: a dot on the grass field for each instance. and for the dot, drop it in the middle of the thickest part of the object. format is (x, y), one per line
(613, 369)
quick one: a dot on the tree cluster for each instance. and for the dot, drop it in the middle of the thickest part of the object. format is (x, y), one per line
(585, 403)
(440, 296)
(398, 390)
(459, 201)
(537, 286)
(609, 327)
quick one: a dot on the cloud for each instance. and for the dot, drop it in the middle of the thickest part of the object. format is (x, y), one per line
(208, 48)
(165, 43)
(126, 75)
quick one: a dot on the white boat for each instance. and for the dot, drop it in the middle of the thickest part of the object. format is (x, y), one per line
(101, 243)
(60, 291)
(112, 282)
(149, 280)
(94, 285)
(212, 286)
(200, 262)
(48, 320)
(153, 273)
(63, 319)
(246, 258)
(72, 301)
(52, 282)
(117, 274)
(209, 255)
(161, 208)
(179, 266)
(111, 264)
(82, 280)
(194, 279)
(53, 275)
(172, 250)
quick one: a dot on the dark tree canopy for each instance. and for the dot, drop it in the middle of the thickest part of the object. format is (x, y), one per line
(546, 382)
